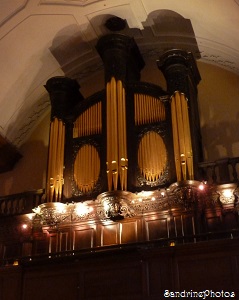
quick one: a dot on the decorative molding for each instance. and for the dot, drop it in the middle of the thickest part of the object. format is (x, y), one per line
(69, 2)
(14, 12)
(28, 124)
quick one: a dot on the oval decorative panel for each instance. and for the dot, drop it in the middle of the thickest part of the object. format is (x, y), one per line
(86, 168)
(152, 156)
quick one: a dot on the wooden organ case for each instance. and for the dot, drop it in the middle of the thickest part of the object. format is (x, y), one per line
(128, 151)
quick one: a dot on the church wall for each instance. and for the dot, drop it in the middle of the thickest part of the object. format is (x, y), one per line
(219, 112)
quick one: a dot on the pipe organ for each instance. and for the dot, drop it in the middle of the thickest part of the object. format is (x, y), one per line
(131, 136)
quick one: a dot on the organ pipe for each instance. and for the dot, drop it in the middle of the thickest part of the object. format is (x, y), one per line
(117, 161)
(89, 122)
(56, 160)
(181, 137)
(152, 156)
(148, 109)
(86, 168)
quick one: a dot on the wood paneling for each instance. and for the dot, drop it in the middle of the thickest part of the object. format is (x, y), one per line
(10, 283)
(137, 273)
(109, 234)
(114, 281)
(157, 228)
(160, 274)
(83, 237)
(129, 232)
(199, 272)
(64, 241)
(53, 243)
(50, 284)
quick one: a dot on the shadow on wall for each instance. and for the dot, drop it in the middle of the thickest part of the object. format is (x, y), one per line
(221, 140)
(29, 173)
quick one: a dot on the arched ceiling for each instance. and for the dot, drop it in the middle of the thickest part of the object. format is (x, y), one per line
(40, 39)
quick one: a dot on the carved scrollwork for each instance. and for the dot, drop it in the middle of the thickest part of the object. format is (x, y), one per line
(116, 205)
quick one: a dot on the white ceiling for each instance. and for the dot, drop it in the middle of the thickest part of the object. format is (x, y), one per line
(44, 38)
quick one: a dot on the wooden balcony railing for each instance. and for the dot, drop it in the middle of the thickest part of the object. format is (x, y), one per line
(21, 203)
(221, 171)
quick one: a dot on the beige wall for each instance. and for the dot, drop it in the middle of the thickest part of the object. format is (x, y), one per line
(30, 171)
(219, 114)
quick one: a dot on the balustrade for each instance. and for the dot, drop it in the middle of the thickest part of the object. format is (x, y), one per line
(21, 203)
(221, 171)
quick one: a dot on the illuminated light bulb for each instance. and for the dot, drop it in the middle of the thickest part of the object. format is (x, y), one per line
(153, 198)
(30, 216)
(24, 226)
(81, 209)
(227, 193)
(201, 187)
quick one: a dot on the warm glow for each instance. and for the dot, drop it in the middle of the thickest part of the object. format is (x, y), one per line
(24, 226)
(60, 208)
(82, 209)
(37, 210)
(30, 216)
(227, 193)
(201, 187)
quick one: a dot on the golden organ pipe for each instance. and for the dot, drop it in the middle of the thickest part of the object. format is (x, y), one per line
(120, 124)
(56, 160)
(181, 134)
(108, 116)
(49, 178)
(116, 135)
(135, 109)
(56, 170)
(175, 139)
(54, 148)
(148, 109)
(181, 137)
(61, 159)
(151, 165)
(188, 145)
(89, 122)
